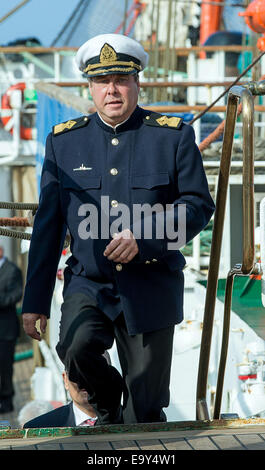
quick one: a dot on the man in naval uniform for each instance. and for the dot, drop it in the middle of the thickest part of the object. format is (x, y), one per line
(124, 280)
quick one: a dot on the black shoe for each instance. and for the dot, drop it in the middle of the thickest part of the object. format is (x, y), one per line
(6, 406)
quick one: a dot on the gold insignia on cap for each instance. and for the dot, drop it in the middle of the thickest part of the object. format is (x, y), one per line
(171, 122)
(109, 58)
(108, 55)
(64, 125)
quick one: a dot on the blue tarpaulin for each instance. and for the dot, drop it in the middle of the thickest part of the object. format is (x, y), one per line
(49, 113)
(232, 21)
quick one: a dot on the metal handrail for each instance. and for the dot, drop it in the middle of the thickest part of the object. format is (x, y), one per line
(245, 93)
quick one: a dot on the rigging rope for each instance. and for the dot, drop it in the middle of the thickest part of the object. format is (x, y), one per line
(21, 4)
(220, 128)
(19, 205)
(73, 15)
(14, 234)
(17, 221)
(227, 89)
(14, 222)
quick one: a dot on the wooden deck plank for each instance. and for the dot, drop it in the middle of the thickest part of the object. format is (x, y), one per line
(227, 442)
(104, 445)
(190, 439)
(251, 441)
(49, 446)
(74, 446)
(30, 447)
(202, 443)
(150, 444)
(125, 445)
(176, 444)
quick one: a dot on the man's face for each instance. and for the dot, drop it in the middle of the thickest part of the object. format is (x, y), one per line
(79, 396)
(115, 96)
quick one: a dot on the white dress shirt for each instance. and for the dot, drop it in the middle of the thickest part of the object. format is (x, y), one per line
(80, 417)
(113, 127)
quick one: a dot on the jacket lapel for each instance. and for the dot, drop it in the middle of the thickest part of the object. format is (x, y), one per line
(70, 418)
(4, 267)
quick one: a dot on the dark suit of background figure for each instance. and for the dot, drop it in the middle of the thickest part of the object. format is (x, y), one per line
(11, 290)
(60, 417)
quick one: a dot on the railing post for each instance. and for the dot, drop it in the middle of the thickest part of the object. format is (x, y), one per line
(248, 237)
(201, 405)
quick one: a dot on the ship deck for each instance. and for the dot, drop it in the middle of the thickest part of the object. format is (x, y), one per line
(197, 435)
(230, 434)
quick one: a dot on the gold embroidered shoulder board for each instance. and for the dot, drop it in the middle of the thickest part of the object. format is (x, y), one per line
(160, 120)
(69, 125)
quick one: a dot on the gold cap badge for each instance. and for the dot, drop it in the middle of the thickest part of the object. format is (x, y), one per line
(108, 55)
(109, 61)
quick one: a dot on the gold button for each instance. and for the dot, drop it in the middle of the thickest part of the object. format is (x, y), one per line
(154, 260)
(113, 171)
(114, 203)
(85, 118)
(147, 261)
(115, 141)
(147, 118)
(119, 267)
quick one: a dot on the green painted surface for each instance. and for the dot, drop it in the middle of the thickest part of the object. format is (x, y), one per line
(129, 428)
(246, 301)
(21, 356)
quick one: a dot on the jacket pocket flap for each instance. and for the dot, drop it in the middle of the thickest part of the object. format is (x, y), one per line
(81, 182)
(149, 181)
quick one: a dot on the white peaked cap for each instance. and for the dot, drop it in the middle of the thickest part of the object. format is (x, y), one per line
(111, 53)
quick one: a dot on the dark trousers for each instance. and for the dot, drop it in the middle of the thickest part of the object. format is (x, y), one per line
(86, 333)
(7, 349)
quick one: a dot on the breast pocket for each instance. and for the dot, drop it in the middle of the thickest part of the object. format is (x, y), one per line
(77, 191)
(81, 182)
(150, 188)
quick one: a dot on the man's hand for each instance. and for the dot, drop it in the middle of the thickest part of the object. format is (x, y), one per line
(29, 324)
(123, 248)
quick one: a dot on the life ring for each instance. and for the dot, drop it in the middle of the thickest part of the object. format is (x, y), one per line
(26, 133)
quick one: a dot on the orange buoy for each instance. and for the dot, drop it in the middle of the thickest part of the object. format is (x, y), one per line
(25, 132)
(255, 19)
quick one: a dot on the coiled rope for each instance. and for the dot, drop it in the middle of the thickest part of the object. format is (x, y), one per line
(21, 221)
(19, 205)
(17, 221)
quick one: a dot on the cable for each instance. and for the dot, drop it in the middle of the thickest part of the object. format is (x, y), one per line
(13, 10)
(227, 89)
(67, 23)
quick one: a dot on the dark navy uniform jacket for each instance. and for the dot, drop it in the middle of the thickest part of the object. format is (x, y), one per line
(142, 161)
